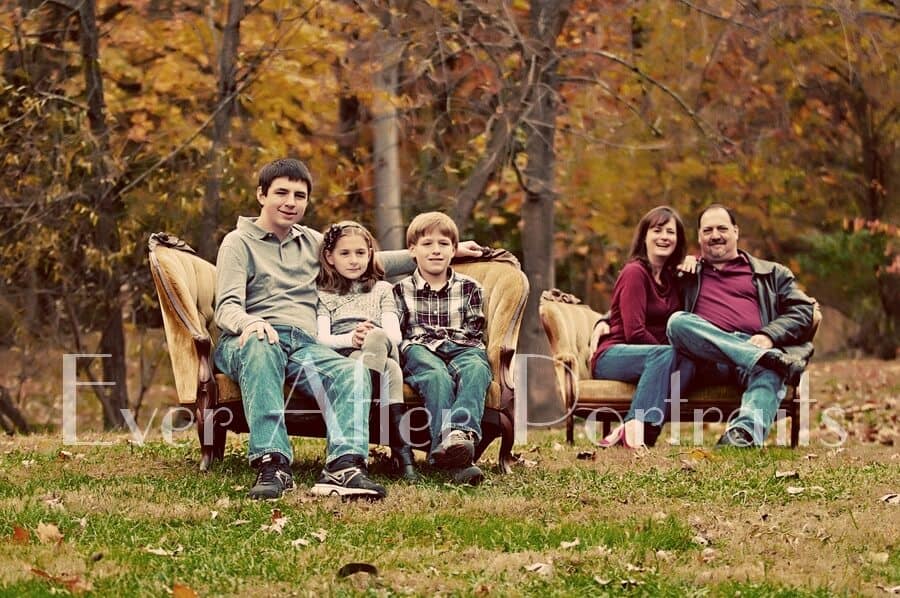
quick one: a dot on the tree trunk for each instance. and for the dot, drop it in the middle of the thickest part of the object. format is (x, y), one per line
(221, 131)
(11, 419)
(388, 207)
(108, 209)
(547, 19)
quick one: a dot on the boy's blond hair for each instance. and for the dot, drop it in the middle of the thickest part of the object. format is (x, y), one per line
(429, 222)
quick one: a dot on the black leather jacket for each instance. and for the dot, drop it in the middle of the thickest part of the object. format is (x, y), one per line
(785, 311)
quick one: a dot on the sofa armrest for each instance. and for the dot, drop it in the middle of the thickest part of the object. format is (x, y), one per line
(185, 285)
(505, 292)
(568, 326)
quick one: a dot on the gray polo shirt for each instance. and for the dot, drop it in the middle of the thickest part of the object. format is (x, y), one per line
(259, 277)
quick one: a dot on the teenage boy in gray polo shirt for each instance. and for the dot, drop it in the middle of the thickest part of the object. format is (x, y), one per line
(266, 308)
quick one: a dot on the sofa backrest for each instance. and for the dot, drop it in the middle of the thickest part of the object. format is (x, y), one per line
(186, 286)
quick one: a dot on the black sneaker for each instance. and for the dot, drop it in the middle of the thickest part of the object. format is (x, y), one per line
(273, 477)
(456, 451)
(787, 366)
(471, 475)
(347, 477)
(735, 437)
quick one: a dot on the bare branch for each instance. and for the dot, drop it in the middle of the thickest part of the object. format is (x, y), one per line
(631, 107)
(698, 121)
(719, 17)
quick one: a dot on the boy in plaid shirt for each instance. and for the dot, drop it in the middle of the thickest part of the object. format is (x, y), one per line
(443, 350)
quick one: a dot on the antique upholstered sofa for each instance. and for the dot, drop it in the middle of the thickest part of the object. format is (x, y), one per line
(568, 324)
(186, 285)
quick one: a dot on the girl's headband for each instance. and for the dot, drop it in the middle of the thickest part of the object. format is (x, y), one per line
(335, 232)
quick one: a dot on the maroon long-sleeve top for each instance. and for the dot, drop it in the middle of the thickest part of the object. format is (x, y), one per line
(640, 309)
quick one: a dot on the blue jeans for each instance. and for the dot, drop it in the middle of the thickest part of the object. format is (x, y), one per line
(736, 360)
(651, 367)
(341, 387)
(452, 381)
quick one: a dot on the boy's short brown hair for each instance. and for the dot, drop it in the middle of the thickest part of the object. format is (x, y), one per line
(428, 222)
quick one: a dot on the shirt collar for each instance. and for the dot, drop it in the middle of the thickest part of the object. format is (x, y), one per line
(740, 260)
(420, 283)
(248, 225)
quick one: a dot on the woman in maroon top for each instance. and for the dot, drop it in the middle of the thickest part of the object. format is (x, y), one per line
(636, 349)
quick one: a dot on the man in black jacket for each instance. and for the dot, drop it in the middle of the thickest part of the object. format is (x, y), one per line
(744, 319)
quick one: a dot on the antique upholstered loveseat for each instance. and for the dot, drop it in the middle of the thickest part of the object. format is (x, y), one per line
(568, 324)
(186, 285)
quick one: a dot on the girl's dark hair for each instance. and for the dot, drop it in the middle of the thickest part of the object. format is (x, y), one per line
(657, 217)
(329, 279)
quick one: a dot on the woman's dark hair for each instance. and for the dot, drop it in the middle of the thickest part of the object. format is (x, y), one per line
(329, 279)
(657, 217)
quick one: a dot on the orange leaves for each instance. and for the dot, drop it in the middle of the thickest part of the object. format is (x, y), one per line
(20, 535)
(73, 583)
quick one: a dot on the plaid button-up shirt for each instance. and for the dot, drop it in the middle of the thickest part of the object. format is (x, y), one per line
(429, 317)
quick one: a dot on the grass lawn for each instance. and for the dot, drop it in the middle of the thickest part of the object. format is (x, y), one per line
(139, 520)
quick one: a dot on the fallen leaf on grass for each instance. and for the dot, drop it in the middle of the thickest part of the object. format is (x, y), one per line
(698, 539)
(179, 590)
(276, 523)
(586, 455)
(299, 542)
(483, 589)
(73, 583)
(240, 522)
(630, 582)
(540, 568)
(794, 490)
(701, 454)
(64, 455)
(557, 446)
(878, 558)
(889, 590)
(708, 555)
(787, 475)
(810, 456)
(352, 568)
(603, 550)
(664, 555)
(637, 568)
(48, 533)
(602, 580)
(320, 534)
(571, 544)
(165, 552)
(890, 499)
(20, 535)
(53, 502)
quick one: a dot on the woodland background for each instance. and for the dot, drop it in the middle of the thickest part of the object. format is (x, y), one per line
(544, 126)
